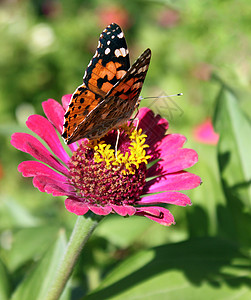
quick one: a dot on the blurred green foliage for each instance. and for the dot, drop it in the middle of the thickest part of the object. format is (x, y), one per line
(200, 48)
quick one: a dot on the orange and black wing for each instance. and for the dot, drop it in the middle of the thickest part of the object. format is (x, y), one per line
(129, 87)
(109, 63)
(119, 104)
(83, 101)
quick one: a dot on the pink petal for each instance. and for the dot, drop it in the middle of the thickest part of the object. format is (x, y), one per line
(204, 133)
(173, 182)
(55, 114)
(143, 111)
(124, 210)
(175, 198)
(174, 162)
(32, 168)
(157, 214)
(29, 144)
(170, 143)
(76, 206)
(154, 126)
(66, 100)
(43, 128)
(51, 186)
(100, 210)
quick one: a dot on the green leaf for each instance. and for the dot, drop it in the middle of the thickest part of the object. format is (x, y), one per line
(234, 158)
(134, 230)
(210, 267)
(29, 244)
(35, 286)
(122, 231)
(4, 282)
(208, 216)
(234, 146)
(14, 215)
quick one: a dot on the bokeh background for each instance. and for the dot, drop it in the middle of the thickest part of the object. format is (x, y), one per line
(199, 48)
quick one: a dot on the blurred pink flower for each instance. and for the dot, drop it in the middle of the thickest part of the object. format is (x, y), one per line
(114, 14)
(168, 18)
(91, 185)
(202, 71)
(1, 171)
(51, 8)
(204, 133)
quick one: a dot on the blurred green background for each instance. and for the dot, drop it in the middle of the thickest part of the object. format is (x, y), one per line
(199, 48)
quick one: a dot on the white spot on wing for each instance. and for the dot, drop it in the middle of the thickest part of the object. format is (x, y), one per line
(107, 51)
(121, 52)
(96, 54)
(120, 36)
(117, 53)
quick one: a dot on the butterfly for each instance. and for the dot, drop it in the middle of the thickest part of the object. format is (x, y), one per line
(110, 90)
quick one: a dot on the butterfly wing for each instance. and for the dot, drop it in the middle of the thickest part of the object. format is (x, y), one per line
(83, 101)
(129, 87)
(109, 63)
(119, 103)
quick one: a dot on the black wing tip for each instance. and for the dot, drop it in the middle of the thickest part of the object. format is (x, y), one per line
(113, 25)
(148, 50)
(146, 55)
(71, 139)
(67, 141)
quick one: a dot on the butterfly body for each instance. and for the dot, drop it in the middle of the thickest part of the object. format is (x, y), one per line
(110, 91)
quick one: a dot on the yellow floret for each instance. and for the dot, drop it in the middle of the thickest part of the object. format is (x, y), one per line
(136, 156)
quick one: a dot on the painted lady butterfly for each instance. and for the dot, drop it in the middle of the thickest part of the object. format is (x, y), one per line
(110, 91)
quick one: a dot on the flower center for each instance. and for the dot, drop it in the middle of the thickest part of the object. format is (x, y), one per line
(102, 176)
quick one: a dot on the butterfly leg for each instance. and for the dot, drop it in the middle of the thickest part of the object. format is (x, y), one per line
(137, 122)
(135, 119)
(117, 142)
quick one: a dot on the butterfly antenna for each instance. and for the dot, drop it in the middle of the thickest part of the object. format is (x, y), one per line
(167, 96)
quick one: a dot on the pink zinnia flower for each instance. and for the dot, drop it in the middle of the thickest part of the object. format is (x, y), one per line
(114, 14)
(94, 178)
(168, 18)
(205, 134)
(203, 71)
(1, 171)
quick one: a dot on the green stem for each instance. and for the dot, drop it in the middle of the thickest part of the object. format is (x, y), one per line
(83, 229)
